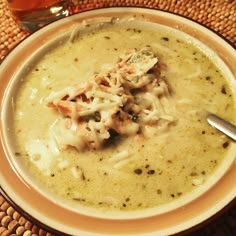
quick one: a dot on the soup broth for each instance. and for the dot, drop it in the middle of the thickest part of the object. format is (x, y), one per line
(135, 172)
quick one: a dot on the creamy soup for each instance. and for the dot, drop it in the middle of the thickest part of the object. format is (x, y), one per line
(126, 172)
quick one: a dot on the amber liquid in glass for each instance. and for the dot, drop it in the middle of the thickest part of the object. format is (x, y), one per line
(33, 14)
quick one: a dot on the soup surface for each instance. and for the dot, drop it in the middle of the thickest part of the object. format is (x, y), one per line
(145, 170)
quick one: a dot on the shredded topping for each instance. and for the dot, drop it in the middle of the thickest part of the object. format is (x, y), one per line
(125, 99)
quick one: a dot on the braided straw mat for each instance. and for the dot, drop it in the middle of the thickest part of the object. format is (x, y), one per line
(218, 15)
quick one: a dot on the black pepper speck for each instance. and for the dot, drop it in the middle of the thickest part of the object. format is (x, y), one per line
(138, 171)
(223, 90)
(225, 144)
(151, 172)
(165, 39)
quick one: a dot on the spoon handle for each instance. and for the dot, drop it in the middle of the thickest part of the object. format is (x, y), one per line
(222, 125)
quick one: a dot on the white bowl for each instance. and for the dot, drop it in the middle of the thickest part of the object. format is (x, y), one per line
(175, 217)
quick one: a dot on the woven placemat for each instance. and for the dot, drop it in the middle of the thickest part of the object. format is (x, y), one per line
(218, 15)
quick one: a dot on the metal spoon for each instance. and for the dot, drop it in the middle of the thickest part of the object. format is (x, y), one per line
(224, 126)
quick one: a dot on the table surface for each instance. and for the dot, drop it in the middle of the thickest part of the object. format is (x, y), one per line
(218, 15)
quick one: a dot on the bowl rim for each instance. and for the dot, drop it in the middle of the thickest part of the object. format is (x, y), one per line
(49, 27)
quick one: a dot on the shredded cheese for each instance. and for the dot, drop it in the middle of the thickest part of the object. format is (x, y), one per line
(123, 98)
